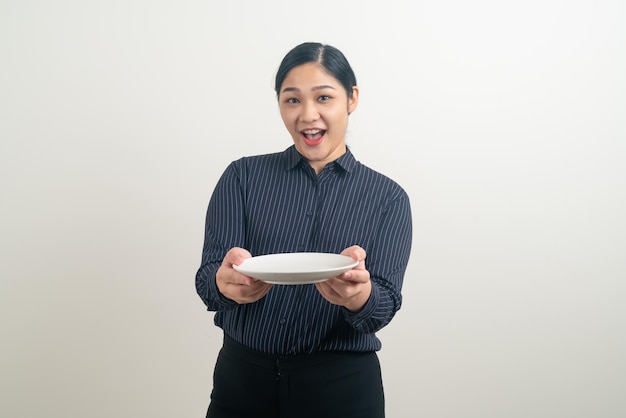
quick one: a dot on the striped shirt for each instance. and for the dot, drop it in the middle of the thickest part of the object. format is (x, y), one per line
(276, 203)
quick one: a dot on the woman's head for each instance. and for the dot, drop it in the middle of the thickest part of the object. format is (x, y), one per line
(328, 57)
(316, 91)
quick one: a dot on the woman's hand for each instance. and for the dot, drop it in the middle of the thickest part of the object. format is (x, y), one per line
(352, 288)
(236, 286)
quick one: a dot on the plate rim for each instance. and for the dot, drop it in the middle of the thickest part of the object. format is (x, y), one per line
(276, 275)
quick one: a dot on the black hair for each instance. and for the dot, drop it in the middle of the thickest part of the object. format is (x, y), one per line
(328, 57)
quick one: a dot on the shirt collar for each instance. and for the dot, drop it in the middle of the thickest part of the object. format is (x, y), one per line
(292, 159)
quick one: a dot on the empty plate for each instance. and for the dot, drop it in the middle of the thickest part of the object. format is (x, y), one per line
(296, 268)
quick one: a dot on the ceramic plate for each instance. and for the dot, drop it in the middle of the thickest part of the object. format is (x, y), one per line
(296, 268)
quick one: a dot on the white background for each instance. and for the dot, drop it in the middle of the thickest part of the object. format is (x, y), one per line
(504, 121)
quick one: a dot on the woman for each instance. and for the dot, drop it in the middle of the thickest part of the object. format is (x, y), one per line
(305, 350)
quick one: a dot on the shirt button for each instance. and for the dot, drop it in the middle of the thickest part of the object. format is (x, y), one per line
(282, 321)
(309, 213)
(301, 248)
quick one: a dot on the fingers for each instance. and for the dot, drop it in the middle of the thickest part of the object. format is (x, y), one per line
(236, 256)
(357, 253)
(247, 292)
(352, 288)
(358, 273)
(350, 294)
(235, 285)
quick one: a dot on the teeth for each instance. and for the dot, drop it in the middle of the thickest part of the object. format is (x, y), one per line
(312, 131)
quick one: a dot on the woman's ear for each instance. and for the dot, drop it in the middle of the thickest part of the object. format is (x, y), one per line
(353, 100)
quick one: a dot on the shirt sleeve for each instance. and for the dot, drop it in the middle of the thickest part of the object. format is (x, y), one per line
(387, 260)
(224, 229)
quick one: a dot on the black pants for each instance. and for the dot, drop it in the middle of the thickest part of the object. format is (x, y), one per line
(251, 384)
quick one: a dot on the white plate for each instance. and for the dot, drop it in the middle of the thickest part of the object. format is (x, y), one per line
(296, 268)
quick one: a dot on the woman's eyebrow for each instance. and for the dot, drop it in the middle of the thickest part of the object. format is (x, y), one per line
(322, 87)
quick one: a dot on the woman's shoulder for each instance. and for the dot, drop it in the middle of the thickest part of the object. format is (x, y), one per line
(280, 159)
(373, 177)
(260, 163)
(247, 159)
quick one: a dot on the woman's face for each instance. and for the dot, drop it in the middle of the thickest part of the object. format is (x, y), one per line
(314, 106)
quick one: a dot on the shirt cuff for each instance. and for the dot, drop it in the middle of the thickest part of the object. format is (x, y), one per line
(356, 319)
(217, 296)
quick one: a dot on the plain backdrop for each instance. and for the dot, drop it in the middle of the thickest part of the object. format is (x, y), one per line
(504, 121)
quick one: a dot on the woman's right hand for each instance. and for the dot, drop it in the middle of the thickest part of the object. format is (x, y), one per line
(237, 286)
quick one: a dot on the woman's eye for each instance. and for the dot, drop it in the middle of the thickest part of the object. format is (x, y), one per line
(323, 98)
(292, 100)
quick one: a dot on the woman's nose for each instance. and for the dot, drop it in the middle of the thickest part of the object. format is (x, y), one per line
(309, 113)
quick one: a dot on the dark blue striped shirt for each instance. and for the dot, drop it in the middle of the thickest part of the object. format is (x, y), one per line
(276, 203)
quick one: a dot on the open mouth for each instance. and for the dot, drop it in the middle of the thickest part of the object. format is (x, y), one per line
(313, 136)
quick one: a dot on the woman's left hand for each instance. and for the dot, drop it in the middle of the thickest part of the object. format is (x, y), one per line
(352, 288)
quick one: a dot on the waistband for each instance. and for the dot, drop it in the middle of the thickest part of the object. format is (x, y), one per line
(259, 358)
